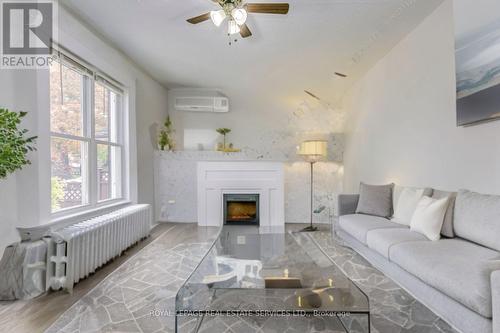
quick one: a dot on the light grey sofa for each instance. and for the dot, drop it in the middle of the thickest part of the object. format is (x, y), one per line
(458, 278)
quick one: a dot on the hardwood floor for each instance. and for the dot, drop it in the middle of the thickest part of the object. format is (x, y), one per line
(38, 314)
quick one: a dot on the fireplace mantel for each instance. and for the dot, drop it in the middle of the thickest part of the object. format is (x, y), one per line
(266, 179)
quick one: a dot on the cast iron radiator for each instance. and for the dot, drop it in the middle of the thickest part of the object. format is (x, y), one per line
(77, 250)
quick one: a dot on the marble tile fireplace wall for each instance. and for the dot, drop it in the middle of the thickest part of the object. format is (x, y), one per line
(176, 184)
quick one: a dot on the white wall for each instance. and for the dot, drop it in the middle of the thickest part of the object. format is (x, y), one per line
(401, 124)
(151, 113)
(25, 196)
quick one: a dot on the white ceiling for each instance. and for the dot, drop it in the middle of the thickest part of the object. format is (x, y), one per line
(285, 55)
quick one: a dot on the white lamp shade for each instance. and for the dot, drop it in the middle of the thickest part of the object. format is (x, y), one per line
(313, 149)
(217, 17)
(233, 27)
(239, 15)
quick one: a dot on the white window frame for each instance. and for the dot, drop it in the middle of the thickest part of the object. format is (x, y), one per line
(118, 144)
(89, 170)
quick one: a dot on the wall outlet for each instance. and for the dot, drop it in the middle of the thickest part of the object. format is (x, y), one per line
(241, 240)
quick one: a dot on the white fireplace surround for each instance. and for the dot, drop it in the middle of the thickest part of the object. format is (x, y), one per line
(242, 177)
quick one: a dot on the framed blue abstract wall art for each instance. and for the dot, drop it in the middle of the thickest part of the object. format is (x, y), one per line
(478, 78)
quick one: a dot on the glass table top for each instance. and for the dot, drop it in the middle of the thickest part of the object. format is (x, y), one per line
(247, 271)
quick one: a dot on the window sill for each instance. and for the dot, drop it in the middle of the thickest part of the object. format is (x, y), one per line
(81, 215)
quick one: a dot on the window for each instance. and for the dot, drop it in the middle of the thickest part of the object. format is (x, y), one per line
(86, 117)
(107, 105)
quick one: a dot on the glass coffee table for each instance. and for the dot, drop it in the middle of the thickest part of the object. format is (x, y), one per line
(247, 275)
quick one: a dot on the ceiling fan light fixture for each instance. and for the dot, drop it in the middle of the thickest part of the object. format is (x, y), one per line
(218, 16)
(233, 27)
(239, 15)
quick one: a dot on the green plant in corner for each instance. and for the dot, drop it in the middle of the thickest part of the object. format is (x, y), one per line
(14, 144)
(223, 131)
(165, 137)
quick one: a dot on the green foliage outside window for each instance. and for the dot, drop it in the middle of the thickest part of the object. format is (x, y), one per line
(56, 193)
(14, 143)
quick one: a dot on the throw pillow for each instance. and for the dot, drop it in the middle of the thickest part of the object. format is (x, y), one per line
(406, 205)
(429, 217)
(398, 189)
(375, 200)
(447, 229)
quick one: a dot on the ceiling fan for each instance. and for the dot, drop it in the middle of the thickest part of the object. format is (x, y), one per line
(236, 11)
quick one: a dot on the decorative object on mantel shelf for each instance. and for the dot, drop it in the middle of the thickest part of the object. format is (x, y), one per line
(223, 147)
(165, 141)
(14, 145)
(313, 151)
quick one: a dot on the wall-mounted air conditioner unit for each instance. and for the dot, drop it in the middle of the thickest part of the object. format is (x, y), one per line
(202, 103)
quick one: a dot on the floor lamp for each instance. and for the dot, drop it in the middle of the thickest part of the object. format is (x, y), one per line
(312, 151)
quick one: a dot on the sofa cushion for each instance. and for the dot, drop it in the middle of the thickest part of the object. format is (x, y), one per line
(477, 218)
(447, 229)
(456, 267)
(375, 200)
(358, 225)
(381, 240)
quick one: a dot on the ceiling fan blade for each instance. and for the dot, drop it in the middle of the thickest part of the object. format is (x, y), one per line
(199, 19)
(244, 31)
(268, 8)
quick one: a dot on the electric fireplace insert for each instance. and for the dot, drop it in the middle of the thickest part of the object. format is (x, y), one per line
(241, 209)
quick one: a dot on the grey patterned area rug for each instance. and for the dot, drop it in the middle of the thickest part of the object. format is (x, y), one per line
(140, 296)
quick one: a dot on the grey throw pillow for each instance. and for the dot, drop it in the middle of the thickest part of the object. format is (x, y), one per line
(447, 229)
(375, 200)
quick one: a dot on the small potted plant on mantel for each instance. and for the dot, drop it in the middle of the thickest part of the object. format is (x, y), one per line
(226, 148)
(165, 140)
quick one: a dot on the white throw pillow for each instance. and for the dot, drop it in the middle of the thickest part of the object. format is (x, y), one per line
(407, 202)
(429, 217)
